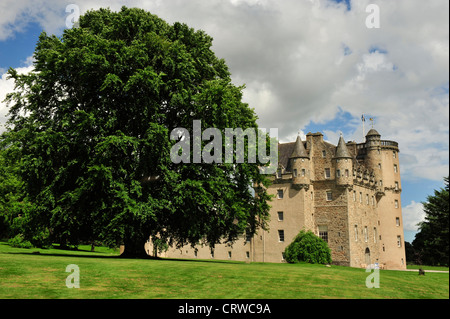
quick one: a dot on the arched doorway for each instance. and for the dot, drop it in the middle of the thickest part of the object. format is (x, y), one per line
(367, 253)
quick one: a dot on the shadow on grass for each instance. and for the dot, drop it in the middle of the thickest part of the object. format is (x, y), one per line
(57, 251)
(87, 254)
(93, 255)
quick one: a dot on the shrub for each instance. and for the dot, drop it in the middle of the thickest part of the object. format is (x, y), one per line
(19, 242)
(309, 248)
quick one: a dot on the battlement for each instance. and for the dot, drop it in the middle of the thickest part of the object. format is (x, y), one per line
(361, 148)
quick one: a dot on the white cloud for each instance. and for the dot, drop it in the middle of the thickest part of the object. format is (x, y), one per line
(300, 60)
(7, 86)
(412, 215)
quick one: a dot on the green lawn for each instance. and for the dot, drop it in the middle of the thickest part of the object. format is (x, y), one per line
(427, 267)
(24, 273)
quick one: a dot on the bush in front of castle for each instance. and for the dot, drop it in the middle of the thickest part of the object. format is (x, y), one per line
(307, 247)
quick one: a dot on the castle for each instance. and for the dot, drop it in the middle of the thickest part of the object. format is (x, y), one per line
(349, 195)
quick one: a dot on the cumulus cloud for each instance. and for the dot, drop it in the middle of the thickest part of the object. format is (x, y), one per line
(412, 214)
(7, 86)
(307, 61)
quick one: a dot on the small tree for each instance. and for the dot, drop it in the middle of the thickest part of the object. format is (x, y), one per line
(309, 248)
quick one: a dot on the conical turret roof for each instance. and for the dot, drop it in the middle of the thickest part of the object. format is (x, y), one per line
(342, 150)
(299, 149)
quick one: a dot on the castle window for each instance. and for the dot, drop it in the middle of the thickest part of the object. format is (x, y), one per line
(394, 154)
(323, 232)
(354, 196)
(360, 197)
(327, 173)
(374, 234)
(303, 172)
(379, 165)
(279, 173)
(329, 196)
(338, 173)
(229, 254)
(280, 194)
(248, 238)
(396, 203)
(294, 172)
(397, 221)
(399, 241)
(366, 235)
(367, 199)
(324, 154)
(395, 168)
(280, 216)
(283, 256)
(373, 201)
(281, 235)
(356, 232)
(247, 254)
(347, 173)
(396, 186)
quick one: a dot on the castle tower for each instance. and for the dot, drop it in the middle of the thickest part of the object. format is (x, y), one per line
(344, 164)
(373, 157)
(301, 170)
(387, 172)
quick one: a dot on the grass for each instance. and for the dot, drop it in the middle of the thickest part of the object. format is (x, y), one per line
(40, 273)
(440, 268)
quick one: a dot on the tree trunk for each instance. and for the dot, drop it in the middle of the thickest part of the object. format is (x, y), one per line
(134, 249)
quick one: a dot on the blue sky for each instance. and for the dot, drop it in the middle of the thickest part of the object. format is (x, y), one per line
(15, 51)
(310, 66)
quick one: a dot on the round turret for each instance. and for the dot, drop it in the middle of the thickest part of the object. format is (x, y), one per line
(344, 164)
(300, 164)
(373, 157)
(373, 139)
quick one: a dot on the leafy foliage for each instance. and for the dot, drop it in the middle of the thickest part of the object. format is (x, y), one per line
(431, 245)
(89, 134)
(307, 247)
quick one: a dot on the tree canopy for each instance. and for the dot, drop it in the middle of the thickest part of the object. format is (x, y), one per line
(307, 247)
(89, 127)
(431, 245)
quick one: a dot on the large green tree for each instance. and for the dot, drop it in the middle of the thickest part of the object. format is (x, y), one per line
(431, 243)
(89, 129)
